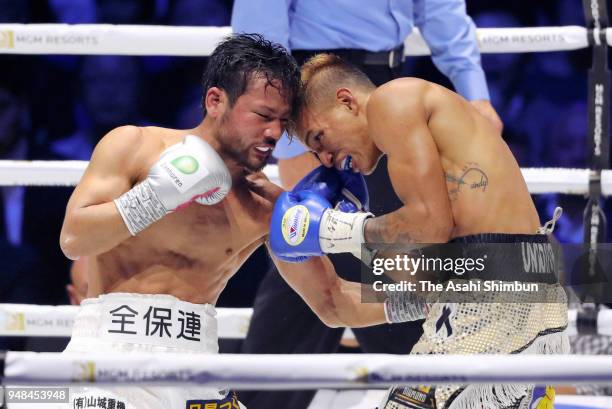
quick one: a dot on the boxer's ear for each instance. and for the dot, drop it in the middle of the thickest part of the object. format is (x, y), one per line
(346, 98)
(215, 101)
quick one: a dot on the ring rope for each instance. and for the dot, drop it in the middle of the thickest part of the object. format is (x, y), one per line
(201, 41)
(68, 173)
(61, 172)
(302, 371)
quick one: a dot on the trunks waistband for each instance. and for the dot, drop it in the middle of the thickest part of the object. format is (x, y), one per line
(501, 238)
(510, 257)
(158, 320)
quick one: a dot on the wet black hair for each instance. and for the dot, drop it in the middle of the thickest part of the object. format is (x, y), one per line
(241, 57)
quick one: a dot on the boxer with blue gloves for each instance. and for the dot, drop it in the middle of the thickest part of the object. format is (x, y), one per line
(458, 182)
(324, 213)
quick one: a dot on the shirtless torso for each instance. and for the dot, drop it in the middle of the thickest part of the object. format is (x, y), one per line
(190, 254)
(449, 166)
(445, 159)
(455, 177)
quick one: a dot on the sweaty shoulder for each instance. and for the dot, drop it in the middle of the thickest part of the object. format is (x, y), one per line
(126, 146)
(397, 94)
(123, 138)
(398, 103)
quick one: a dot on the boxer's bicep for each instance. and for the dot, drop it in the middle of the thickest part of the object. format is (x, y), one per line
(92, 223)
(417, 177)
(111, 170)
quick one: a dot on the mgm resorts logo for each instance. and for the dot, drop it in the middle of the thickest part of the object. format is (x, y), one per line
(16, 322)
(84, 371)
(7, 39)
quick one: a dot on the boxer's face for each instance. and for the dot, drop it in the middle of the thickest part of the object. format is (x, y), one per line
(337, 133)
(249, 130)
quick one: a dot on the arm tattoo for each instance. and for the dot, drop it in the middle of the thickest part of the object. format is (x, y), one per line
(390, 228)
(472, 177)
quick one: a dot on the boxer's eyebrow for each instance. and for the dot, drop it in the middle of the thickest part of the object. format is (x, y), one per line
(272, 111)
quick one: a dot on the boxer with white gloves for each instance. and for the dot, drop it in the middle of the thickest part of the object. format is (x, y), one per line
(166, 217)
(187, 171)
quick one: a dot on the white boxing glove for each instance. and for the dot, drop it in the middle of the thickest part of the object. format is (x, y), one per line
(188, 171)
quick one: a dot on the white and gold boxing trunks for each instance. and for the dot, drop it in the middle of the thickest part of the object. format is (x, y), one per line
(125, 323)
(491, 322)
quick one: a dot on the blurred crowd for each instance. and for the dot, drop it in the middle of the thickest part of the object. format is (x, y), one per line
(56, 107)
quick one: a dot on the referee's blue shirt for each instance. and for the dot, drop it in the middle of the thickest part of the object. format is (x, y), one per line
(372, 25)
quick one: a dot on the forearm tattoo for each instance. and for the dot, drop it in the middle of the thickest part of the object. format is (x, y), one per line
(390, 228)
(472, 177)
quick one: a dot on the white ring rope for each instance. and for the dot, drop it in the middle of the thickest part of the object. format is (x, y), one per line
(200, 41)
(60, 173)
(68, 173)
(56, 321)
(303, 371)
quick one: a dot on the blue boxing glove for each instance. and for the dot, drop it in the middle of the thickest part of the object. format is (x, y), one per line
(294, 228)
(354, 192)
(344, 189)
(304, 222)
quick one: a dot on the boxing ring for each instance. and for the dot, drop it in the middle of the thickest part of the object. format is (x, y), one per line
(363, 372)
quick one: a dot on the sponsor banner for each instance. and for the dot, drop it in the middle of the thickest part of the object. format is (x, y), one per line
(109, 39)
(315, 370)
(515, 40)
(200, 41)
(22, 320)
(532, 39)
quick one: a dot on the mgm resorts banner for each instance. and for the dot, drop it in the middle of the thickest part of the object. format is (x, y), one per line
(529, 271)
